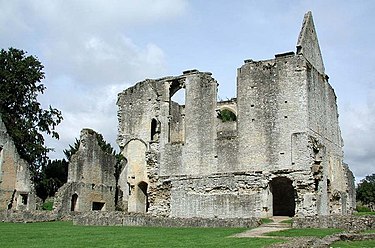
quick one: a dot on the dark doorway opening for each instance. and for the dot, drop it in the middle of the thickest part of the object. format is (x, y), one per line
(73, 202)
(142, 195)
(97, 206)
(283, 195)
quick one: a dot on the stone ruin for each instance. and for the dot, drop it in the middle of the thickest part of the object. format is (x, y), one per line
(275, 149)
(91, 178)
(279, 154)
(16, 189)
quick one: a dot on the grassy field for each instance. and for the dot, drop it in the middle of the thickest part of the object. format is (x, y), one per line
(351, 244)
(310, 232)
(64, 234)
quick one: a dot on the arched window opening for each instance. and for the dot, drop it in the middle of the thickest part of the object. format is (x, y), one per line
(283, 195)
(73, 204)
(226, 115)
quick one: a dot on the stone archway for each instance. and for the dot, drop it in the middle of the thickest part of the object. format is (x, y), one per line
(283, 195)
(142, 197)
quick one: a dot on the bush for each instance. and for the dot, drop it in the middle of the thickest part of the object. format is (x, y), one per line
(48, 205)
(361, 208)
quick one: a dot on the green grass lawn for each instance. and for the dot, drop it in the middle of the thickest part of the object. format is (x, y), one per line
(64, 234)
(311, 232)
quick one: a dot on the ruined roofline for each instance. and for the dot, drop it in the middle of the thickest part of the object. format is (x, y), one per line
(163, 79)
(308, 44)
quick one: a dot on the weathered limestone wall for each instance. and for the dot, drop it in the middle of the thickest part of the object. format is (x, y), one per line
(271, 108)
(16, 189)
(199, 154)
(91, 181)
(124, 219)
(346, 222)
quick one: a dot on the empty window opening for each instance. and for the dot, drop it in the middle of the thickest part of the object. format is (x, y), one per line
(98, 206)
(226, 115)
(73, 203)
(154, 130)
(176, 123)
(24, 198)
(179, 97)
(283, 195)
(316, 184)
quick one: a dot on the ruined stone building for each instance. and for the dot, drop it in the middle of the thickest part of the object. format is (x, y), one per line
(91, 178)
(16, 189)
(279, 154)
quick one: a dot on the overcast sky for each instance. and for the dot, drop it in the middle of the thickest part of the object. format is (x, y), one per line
(92, 50)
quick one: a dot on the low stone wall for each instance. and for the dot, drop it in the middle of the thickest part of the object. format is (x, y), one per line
(125, 219)
(27, 216)
(347, 222)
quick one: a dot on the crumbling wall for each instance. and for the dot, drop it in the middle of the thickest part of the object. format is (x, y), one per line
(16, 189)
(91, 178)
(184, 161)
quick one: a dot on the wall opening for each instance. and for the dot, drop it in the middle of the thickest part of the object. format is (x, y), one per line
(73, 203)
(154, 130)
(97, 206)
(226, 115)
(176, 128)
(24, 198)
(283, 195)
(142, 197)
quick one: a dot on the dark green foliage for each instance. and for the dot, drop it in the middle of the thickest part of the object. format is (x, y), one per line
(48, 205)
(22, 114)
(51, 177)
(366, 190)
(227, 115)
(361, 208)
(72, 149)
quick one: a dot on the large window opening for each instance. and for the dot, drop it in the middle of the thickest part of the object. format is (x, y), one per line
(73, 203)
(176, 130)
(283, 195)
(97, 206)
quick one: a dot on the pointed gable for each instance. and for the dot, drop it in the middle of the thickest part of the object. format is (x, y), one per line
(308, 44)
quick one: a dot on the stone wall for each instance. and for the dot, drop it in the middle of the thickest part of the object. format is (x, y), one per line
(346, 222)
(123, 219)
(16, 189)
(91, 178)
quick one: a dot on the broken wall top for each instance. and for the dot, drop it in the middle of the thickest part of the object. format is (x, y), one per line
(308, 44)
(91, 163)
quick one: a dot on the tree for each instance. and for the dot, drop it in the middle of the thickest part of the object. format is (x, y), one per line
(22, 114)
(52, 176)
(366, 190)
(226, 115)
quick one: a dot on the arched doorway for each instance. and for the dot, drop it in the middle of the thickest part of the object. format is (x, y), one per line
(283, 195)
(142, 198)
(73, 203)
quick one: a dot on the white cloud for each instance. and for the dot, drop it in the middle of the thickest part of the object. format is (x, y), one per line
(358, 127)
